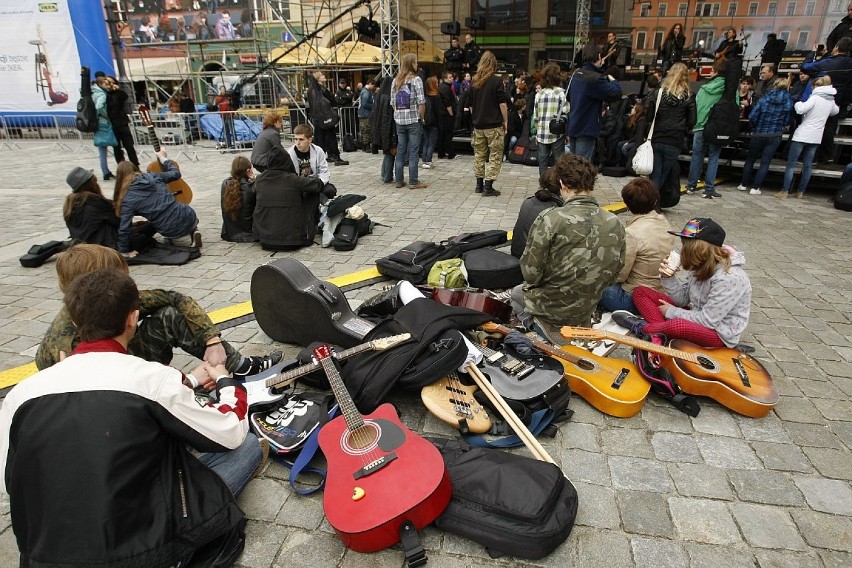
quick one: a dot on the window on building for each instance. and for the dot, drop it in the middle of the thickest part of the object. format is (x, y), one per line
(803, 39)
(770, 8)
(732, 8)
(716, 7)
(658, 39)
(681, 10)
(645, 10)
(809, 8)
(281, 9)
(703, 35)
(640, 40)
(838, 6)
(785, 36)
(706, 9)
(661, 10)
(791, 8)
(752, 9)
(502, 13)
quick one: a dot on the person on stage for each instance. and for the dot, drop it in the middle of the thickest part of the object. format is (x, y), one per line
(672, 50)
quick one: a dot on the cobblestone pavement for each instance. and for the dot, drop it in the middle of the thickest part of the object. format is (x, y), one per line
(659, 489)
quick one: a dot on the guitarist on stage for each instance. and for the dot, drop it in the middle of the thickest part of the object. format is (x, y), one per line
(731, 47)
(612, 49)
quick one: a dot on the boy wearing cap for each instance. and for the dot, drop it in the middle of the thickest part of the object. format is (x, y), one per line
(711, 306)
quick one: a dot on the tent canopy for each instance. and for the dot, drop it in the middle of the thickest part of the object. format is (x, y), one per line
(305, 54)
(426, 52)
(354, 53)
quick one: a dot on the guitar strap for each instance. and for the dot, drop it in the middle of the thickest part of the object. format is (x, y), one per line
(306, 454)
(415, 554)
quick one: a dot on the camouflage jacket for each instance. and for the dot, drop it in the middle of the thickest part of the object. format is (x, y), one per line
(62, 334)
(573, 252)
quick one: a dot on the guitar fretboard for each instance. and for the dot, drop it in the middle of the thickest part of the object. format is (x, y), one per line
(541, 346)
(293, 374)
(344, 399)
(647, 346)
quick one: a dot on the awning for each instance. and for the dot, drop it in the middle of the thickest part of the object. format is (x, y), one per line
(353, 53)
(156, 68)
(426, 52)
(303, 55)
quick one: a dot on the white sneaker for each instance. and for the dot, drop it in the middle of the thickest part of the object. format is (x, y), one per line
(754, 191)
(427, 165)
(741, 187)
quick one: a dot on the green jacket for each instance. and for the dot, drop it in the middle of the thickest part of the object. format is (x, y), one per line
(62, 334)
(573, 252)
(707, 96)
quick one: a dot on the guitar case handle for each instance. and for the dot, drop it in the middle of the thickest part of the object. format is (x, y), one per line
(415, 554)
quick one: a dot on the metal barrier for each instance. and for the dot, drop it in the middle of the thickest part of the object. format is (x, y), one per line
(61, 130)
(348, 121)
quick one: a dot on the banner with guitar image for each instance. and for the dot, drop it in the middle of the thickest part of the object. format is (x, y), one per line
(41, 50)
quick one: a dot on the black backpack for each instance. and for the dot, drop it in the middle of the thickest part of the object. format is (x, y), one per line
(843, 197)
(87, 115)
(413, 262)
(348, 143)
(723, 123)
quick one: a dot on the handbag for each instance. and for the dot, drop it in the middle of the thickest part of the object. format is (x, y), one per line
(643, 161)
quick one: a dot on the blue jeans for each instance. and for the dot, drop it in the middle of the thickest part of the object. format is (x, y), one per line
(237, 466)
(616, 298)
(409, 143)
(714, 152)
(549, 153)
(387, 167)
(102, 157)
(583, 146)
(228, 136)
(430, 141)
(764, 147)
(665, 159)
(807, 152)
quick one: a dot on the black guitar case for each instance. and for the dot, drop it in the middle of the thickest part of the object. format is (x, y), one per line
(292, 306)
(526, 149)
(38, 254)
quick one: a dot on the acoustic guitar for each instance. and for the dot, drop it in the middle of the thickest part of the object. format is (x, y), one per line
(519, 380)
(724, 53)
(470, 298)
(453, 403)
(179, 188)
(261, 390)
(730, 377)
(380, 474)
(613, 386)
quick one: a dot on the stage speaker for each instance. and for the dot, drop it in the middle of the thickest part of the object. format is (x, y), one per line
(475, 22)
(451, 28)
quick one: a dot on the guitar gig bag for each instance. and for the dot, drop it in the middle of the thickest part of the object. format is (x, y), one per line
(490, 269)
(292, 306)
(510, 504)
(662, 382)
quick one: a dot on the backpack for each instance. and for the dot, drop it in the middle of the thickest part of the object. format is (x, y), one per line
(509, 503)
(843, 197)
(449, 273)
(414, 261)
(322, 113)
(402, 100)
(723, 123)
(662, 382)
(348, 143)
(87, 115)
(348, 230)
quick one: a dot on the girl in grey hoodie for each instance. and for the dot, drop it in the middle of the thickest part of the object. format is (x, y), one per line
(711, 306)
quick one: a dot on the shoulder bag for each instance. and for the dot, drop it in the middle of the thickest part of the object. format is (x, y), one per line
(643, 161)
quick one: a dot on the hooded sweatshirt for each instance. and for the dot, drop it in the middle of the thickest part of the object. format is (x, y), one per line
(771, 113)
(721, 303)
(815, 112)
(708, 96)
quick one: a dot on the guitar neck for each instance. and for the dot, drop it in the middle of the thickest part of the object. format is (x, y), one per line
(540, 345)
(344, 399)
(648, 346)
(290, 376)
(155, 142)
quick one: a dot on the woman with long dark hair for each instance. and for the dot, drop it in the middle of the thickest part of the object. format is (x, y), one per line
(672, 50)
(431, 121)
(409, 108)
(238, 201)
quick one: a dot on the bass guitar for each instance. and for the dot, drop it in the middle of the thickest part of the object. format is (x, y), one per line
(613, 386)
(520, 380)
(380, 474)
(730, 377)
(179, 188)
(261, 390)
(453, 403)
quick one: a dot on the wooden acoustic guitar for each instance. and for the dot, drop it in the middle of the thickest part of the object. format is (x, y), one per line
(380, 474)
(179, 188)
(730, 377)
(613, 386)
(470, 298)
(453, 403)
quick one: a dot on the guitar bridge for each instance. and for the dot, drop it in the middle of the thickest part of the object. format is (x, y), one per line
(741, 370)
(375, 465)
(619, 380)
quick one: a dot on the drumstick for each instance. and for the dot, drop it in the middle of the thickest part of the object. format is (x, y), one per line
(508, 414)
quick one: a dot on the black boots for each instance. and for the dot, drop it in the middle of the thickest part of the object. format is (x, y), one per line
(479, 185)
(488, 190)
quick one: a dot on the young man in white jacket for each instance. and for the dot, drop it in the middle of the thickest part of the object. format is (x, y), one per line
(808, 136)
(309, 159)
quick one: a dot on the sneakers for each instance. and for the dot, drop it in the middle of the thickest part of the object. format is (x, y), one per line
(629, 321)
(741, 187)
(782, 194)
(196, 239)
(691, 190)
(418, 185)
(800, 195)
(108, 176)
(340, 162)
(706, 196)
(400, 184)
(254, 365)
(713, 193)
(264, 458)
(754, 191)
(427, 165)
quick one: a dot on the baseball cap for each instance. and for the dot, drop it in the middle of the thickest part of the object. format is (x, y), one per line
(703, 229)
(77, 177)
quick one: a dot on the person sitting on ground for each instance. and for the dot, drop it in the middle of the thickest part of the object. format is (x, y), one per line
(270, 136)
(636, 128)
(94, 456)
(548, 196)
(648, 244)
(146, 195)
(711, 306)
(573, 252)
(514, 130)
(171, 320)
(90, 217)
(287, 210)
(238, 201)
(310, 160)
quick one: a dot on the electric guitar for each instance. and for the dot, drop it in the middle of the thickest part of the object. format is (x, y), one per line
(452, 402)
(613, 386)
(728, 376)
(179, 188)
(724, 53)
(519, 380)
(380, 474)
(260, 390)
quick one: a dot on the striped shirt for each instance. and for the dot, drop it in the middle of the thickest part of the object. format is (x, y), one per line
(549, 103)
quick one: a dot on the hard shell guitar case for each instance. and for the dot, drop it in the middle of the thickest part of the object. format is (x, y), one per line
(292, 306)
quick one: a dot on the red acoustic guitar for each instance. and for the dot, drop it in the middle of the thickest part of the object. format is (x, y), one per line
(380, 474)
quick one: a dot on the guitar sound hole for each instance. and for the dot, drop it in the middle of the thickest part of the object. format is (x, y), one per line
(362, 439)
(707, 363)
(585, 365)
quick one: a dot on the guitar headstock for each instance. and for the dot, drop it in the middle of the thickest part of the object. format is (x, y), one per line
(392, 341)
(322, 352)
(493, 327)
(145, 116)
(582, 333)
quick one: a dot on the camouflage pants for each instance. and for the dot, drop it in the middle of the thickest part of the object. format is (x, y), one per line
(366, 126)
(160, 332)
(488, 142)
